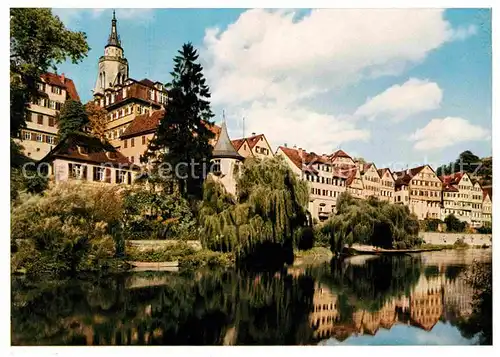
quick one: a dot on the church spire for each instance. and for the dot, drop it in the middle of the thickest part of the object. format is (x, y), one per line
(114, 39)
(224, 148)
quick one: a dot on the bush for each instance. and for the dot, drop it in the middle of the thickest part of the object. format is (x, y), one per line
(453, 224)
(208, 258)
(172, 253)
(68, 229)
(460, 243)
(152, 214)
(305, 238)
(400, 245)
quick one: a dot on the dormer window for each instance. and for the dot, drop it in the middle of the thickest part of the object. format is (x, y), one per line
(83, 150)
(124, 92)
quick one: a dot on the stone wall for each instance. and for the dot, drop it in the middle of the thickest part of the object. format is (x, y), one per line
(450, 238)
(143, 245)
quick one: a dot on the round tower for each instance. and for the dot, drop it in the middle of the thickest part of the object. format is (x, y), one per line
(226, 161)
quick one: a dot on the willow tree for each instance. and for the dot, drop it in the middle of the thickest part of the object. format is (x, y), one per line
(270, 207)
(372, 222)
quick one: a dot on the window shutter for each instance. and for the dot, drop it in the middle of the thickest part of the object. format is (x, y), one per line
(108, 175)
(84, 175)
(129, 178)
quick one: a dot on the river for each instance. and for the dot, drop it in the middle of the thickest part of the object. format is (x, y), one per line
(423, 299)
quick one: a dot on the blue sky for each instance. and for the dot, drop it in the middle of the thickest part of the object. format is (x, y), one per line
(397, 87)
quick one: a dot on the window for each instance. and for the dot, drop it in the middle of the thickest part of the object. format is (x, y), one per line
(152, 94)
(56, 90)
(124, 92)
(39, 138)
(132, 143)
(41, 87)
(125, 143)
(143, 140)
(102, 102)
(216, 166)
(50, 139)
(26, 135)
(77, 171)
(98, 173)
(51, 121)
(129, 110)
(121, 176)
(132, 159)
(112, 98)
(39, 119)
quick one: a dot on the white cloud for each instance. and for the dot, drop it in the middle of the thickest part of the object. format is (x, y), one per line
(274, 60)
(313, 131)
(440, 133)
(401, 101)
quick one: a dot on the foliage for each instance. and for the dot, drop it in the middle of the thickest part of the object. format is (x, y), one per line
(38, 41)
(460, 243)
(453, 224)
(154, 214)
(305, 238)
(207, 258)
(480, 322)
(72, 118)
(66, 230)
(484, 230)
(171, 253)
(269, 209)
(372, 222)
(97, 119)
(184, 130)
(431, 224)
(472, 164)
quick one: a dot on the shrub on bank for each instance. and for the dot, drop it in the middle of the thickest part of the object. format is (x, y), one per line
(460, 243)
(207, 258)
(67, 229)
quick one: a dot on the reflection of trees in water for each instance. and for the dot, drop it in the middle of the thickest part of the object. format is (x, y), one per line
(479, 322)
(378, 280)
(230, 307)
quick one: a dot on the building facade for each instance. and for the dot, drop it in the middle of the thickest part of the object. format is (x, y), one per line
(421, 191)
(253, 146)
(371, 180)
(486, 209)
(40, 134)
(387, 185)
(123, 98)
(326, 182)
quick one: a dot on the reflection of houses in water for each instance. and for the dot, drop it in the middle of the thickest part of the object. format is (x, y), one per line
(426, 302)
(422, 308)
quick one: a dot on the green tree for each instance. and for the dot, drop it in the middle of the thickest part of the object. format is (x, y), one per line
(38, 41)
(71, 119)
(182, 138)
(453, 224)
(270, 208)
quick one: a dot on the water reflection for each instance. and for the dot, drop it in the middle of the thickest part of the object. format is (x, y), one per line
(339, 301)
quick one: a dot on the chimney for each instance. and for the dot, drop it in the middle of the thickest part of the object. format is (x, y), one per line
(62, 77)
(253, 134)
(286, 145)
(301, 152)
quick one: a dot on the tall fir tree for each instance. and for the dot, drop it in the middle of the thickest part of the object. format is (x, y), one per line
(72, 118)
(182, 138)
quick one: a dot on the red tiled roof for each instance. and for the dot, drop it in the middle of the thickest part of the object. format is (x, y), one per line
(63, 82)
(147, 82)
(253, 140)
(71, 89)
(449, 188)
(404, 177)
(97, 152)
(452, 179)
(237, 143)
(382, 172)
(144, 123)
(340, 153)
(487, 192)
(304, 160)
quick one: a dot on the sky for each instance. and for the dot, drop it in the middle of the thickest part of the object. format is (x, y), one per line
(398, 87)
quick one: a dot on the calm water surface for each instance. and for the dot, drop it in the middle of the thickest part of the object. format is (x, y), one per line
(422, 299)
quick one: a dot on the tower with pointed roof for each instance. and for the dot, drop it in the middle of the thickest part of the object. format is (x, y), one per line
(226, 161)
(113, 66)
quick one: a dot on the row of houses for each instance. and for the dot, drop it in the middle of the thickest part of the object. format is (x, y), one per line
(135, 108)
(427, 195)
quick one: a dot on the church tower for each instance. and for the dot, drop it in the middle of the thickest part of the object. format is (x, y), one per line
(113, 66)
